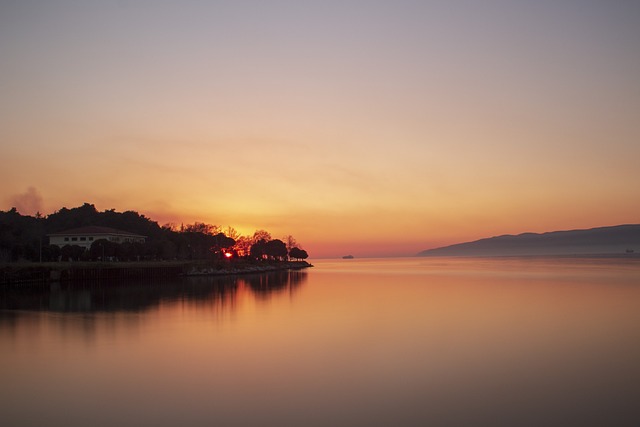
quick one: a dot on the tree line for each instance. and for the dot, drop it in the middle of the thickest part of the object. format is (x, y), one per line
(24, 238)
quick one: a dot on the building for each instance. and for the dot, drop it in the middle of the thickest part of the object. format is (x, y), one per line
(85, 236)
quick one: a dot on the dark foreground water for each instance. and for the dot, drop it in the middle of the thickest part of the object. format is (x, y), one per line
(399, 342)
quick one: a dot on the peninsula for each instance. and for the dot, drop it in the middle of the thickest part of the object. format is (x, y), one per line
(82, 243)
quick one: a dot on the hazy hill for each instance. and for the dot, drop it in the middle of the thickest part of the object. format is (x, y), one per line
(603, 240)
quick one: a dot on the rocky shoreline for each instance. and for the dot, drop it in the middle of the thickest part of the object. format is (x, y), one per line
(79, 271)
(246, 268)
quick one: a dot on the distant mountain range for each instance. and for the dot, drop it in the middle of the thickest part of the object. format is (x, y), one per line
(618, 239)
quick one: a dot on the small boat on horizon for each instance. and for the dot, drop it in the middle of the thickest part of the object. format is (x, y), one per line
(348, 257)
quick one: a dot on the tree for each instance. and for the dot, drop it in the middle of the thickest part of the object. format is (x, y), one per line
(102, 250)
(23, 237)
(260, 235)
(290, 242)
(298, 253)
(71, 252)
(258, 250)
(73, 218)
(276, 249)
(126, 251)
(201, 227)
(243, 246)
(197, 244)
(232, 233)
(220, 242)
(165, 249)
(50, 253)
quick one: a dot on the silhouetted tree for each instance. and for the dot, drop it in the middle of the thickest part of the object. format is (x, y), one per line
(125, 251)
(221, 243)
(65, 219)
(50, 253)
(276, 249)
(290, 242)
(243, 246)
(258, 250)
(201, 227)
(232, 233)
(23, 237)
(298, 253)
(71, 252)
(87, 214)
(260, 235)
(102, 249)
(155, 250)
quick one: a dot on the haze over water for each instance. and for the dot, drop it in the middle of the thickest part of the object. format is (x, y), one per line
(511, 341)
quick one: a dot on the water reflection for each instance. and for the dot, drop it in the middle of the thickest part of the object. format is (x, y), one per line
(136, 296)
(368, 343)
(264, 285)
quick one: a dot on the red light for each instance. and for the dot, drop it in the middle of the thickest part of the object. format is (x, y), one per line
(228, 254)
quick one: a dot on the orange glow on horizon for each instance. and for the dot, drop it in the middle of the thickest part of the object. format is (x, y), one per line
(461, 128)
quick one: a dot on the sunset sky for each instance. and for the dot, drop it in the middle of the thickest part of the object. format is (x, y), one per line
(367, 127)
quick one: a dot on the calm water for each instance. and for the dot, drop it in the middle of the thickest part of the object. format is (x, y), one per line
(400, 342)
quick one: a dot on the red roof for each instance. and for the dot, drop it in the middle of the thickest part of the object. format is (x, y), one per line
(94, 230)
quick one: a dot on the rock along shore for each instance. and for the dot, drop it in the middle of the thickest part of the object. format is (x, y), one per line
(82, 271)
(202, 270)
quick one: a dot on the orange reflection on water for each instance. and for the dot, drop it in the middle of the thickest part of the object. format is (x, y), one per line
(369, 342)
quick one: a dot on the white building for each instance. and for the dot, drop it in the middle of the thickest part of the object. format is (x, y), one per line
(85, 236)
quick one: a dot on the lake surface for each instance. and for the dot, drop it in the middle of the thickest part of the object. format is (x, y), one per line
(393, 342)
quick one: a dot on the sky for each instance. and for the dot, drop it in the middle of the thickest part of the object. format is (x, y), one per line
(372, 128)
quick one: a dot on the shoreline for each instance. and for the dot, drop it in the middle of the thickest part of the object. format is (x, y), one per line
(248, 269)
(33, 273)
